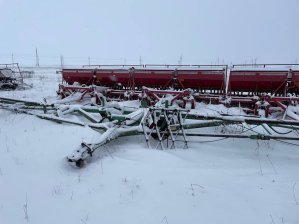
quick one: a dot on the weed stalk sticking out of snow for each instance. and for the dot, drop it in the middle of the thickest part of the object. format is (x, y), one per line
(258, 156)
(132, 190)
(108, 151)
(7, 148)
(25, 208)
(271, 163)
(165, 218)
(192, 189)
(294, 193)
(56, 189)
(272, 220)
(79, 177)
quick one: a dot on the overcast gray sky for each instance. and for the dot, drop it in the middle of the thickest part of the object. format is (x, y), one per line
(159, 31)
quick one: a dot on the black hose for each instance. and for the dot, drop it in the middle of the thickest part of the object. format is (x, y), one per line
(279, 132)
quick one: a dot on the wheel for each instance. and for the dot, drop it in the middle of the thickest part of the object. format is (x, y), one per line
(80, 163)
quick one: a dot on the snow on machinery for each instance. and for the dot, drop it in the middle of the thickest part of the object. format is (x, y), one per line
(162, 127)
(146, 84)
(164, 110)
(6, 80)
(9, 80)
(260, 89)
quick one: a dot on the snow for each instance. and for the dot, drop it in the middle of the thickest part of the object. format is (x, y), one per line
(5, 73)
(157, 68)
(266, 69)
(227, 181)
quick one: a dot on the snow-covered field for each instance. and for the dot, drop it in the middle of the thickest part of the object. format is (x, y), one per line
(226, 181)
